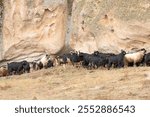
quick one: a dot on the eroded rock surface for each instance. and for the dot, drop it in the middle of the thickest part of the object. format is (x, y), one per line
(33, 27)
(110, 25)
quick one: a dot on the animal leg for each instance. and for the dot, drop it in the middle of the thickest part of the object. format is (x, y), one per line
(109, 65)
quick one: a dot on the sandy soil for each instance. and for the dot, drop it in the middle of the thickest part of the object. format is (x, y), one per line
(78, 83)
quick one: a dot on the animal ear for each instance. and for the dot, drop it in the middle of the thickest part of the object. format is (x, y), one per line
(143, 49)
(123, 51)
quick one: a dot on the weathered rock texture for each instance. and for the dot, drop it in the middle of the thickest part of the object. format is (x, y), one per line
(33, 27)
(110, 25)
(1, 24)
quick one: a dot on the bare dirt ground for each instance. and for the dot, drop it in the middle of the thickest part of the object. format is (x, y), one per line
(78, 83)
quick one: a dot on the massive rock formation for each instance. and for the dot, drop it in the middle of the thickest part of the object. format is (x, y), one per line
(33, 27)
(110, 25)
(1, 24)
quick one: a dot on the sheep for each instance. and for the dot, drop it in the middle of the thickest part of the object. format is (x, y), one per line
(33, 66)
(43, 61)
(116, 60)
(147, 59)
(75, 59)
(18, 67)
(3, 71)
(62, 60)
(135, 57)
(95, 62)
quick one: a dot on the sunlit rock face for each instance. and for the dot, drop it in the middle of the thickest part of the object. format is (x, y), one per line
(1, 27)
(30, 28)
(33, 27)
(110, 25)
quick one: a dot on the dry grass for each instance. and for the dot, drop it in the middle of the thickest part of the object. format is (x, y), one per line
(5, 87)
(73, 83)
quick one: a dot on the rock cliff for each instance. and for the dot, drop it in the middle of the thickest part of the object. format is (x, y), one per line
(110, 25)
(33, 27)
(1, 24)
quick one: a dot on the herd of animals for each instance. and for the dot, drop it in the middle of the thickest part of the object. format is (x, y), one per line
(89, 61)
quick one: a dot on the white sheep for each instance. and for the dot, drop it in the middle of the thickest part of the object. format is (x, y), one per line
(134, 57)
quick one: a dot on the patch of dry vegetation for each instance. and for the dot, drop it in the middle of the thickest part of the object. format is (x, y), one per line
(73, 83)
(5, 87)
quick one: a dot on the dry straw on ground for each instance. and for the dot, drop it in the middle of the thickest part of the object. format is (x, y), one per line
(73, 83)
